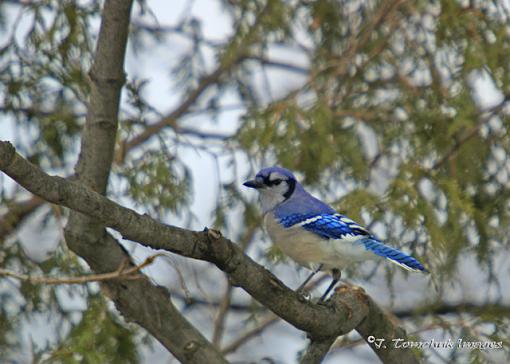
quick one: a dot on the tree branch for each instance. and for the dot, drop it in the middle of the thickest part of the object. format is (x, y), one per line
(207, 245)
(349, 308)
(268, 320)
(226, 64)
(137, 300)
(219, 322)
(170, 119)
(458, 308)
(317, 350)
(358, 40)
(378, 324)
(469, 134)
(123, 272)
(264, 61)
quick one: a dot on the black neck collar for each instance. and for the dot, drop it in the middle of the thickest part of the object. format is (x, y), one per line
(292, 187)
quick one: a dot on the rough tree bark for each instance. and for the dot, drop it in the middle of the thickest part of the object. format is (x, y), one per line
(141, 301)
(347, 310)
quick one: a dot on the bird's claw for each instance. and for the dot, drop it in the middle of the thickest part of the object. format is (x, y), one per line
(304, 296)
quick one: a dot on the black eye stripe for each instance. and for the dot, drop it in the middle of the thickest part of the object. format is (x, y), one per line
(291, 183)
(274, 182)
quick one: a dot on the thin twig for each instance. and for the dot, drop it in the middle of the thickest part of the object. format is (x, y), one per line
(264, 323)
(470, 133)
(205, 82)
(120, 273)
(219, 322)
(226, 302)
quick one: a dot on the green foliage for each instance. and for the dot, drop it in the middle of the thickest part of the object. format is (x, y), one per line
(155, 182)
(98, 335)
(436, 124)
(297, 136)
(358, 201)
(43, 74)
(98, 338)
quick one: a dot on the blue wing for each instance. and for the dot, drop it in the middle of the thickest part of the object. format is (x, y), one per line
(337, 226)
(328, 226)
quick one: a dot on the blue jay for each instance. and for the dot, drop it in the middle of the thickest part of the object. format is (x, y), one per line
(312, 233)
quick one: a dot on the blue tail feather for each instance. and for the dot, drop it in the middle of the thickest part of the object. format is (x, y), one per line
(394, 255)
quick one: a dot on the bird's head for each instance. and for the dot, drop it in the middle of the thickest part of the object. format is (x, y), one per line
(275, 185)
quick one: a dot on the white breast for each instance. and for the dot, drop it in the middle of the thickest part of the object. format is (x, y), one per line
(310, 250)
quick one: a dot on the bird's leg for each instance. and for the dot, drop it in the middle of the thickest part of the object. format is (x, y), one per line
(302, 286)
(336, 274)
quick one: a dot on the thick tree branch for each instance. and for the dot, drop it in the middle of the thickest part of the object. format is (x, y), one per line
(137, 300)
(377, 324)
(317, 350)
(206, 245)
(348, 309)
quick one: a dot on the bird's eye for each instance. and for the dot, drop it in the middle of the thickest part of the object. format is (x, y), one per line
(276, 182)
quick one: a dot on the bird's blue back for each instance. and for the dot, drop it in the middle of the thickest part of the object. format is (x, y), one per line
(301, 202)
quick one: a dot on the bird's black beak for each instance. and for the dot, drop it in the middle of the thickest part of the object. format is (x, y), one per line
(253, 184)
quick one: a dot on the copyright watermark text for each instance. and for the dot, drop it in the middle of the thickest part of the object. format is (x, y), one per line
(425, 344)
